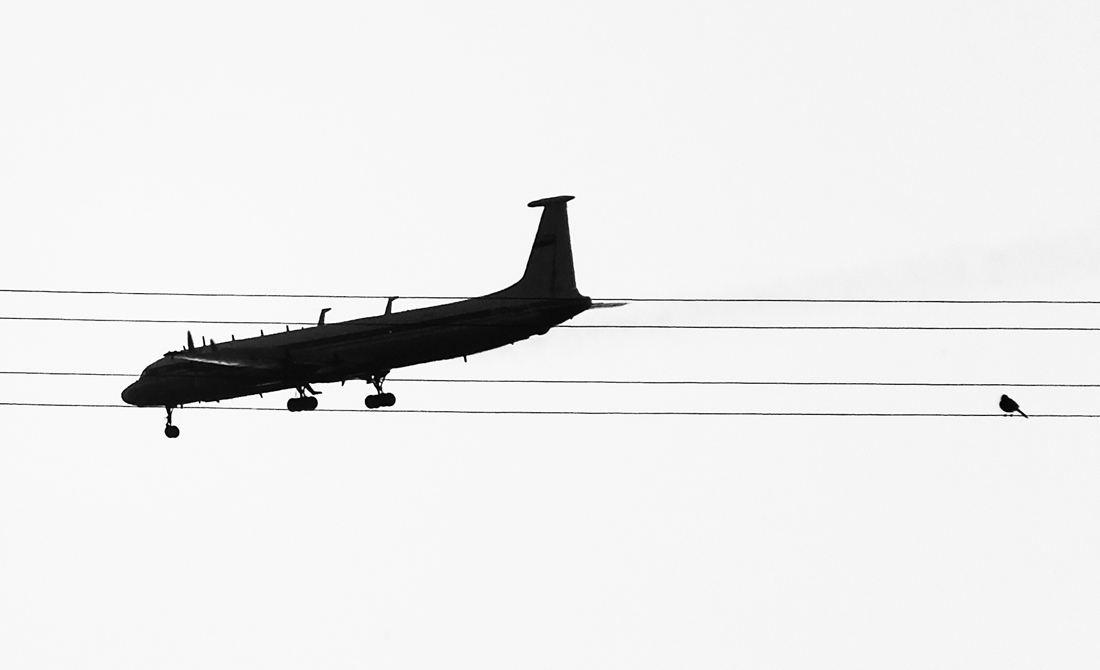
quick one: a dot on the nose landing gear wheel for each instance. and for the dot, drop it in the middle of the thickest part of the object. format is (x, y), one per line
(170, 431)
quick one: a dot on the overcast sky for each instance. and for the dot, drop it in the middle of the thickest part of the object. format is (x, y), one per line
(935, 150)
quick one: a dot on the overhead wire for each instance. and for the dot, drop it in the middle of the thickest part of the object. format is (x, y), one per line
(541, 412)
(335, 296)
(625, 382)
(702, 327)
(570, 326)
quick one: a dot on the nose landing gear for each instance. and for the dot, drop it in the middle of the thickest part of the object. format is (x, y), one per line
(380, 399)
(170, 431)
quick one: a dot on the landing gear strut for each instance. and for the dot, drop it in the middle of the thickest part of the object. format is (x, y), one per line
(170, 430)
(380, 399)
(303, 403)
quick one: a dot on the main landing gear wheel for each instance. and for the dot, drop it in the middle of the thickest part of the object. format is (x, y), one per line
(380, 399)
(302, 403)
(170, 431)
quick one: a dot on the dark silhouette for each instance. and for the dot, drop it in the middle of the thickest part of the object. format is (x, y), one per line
(369, 348)
(1008, 406)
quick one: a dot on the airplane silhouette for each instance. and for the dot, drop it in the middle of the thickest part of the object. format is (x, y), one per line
(371, 347)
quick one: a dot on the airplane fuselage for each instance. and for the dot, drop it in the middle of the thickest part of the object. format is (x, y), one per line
(358, 349)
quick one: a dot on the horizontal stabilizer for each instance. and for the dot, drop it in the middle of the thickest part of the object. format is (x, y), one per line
(546, 202)
(606, 305)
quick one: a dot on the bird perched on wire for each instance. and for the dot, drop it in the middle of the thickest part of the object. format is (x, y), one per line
(1008, 406)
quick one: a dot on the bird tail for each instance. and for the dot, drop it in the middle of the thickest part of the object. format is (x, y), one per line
(1022, 413)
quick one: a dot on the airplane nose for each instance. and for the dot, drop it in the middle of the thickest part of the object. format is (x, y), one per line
(130, 394)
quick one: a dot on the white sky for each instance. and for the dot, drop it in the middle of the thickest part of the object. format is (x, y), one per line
(943, 150)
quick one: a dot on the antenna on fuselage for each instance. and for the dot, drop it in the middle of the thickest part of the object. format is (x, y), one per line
(190, 342)
(389, 305)
(321, 319)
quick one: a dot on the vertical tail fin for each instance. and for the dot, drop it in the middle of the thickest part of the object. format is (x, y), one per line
(549, 271)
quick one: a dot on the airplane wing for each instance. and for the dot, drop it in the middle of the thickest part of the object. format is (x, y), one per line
(606, 305)
(241, 363)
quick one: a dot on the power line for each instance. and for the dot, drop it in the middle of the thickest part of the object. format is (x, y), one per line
(623, 382)
(521, 412)
(620, 299)
(566, 325)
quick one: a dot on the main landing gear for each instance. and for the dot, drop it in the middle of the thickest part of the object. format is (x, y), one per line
(170, 430)
(380, 399)
(303, 403)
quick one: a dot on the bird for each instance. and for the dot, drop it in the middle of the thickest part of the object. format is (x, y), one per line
(1008, 406)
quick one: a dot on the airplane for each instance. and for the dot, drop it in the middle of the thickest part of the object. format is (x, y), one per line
(369, 348)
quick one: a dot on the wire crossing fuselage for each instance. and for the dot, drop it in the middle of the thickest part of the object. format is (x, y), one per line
(369, 348)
